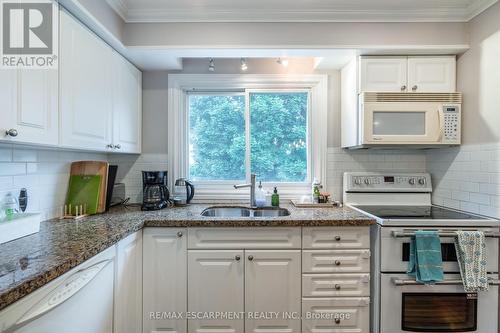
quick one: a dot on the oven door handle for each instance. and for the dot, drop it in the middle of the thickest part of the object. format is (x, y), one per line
(407, 234)
(401, 282)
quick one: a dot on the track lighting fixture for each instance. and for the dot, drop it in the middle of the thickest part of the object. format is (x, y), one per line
(244, 66)
(211, 65)
(282, 62)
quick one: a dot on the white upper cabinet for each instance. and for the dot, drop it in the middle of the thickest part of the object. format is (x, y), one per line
(29, 108)
(432, 74)
(127, 106)
(407, 74)
(86, 96)
(383, 74)
(100, 94)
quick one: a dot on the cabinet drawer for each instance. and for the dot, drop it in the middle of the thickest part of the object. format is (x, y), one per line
(336, 238)
(244, 238)
(335, 285)
(336, 261)
(336, 315)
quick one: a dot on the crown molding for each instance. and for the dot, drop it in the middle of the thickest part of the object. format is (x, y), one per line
(120, 8)
(145, 15)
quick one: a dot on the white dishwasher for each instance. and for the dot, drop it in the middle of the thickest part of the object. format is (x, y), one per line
(80, 301)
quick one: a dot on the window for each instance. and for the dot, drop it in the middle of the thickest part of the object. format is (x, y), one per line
(223, 127)
(277, 145)
(217, 137)
(278, 136)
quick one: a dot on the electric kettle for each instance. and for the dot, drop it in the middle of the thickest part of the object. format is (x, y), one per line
(184, 192)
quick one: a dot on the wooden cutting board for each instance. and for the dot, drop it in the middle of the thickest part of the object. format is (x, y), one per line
(90, 168)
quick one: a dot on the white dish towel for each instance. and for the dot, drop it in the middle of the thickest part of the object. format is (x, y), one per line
(471, 256)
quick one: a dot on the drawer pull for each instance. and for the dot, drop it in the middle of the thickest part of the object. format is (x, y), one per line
(337, 287)
(179, 234)
(250, 258)
(237, 258)
(337, 321)
(338, 238)
(337, 262)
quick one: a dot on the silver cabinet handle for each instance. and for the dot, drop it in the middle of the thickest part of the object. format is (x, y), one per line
(337, 287)
(337, 262)
(237, 258)
(402, 282)
(414, 88)
(338, 238)
(109, 146)
(118, 146)
(11, 132)
(337, 321)
(179, 234)
(250, 258)
(403, 88)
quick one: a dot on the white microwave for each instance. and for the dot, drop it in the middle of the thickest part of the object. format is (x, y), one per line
(410, 119)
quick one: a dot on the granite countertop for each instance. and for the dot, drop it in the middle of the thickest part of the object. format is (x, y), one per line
(29, 263)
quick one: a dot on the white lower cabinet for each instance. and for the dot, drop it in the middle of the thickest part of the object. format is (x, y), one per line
(215, 285)
(242, 287)
(164, 280)
(272, 286)
(128, 285)
(336, 315)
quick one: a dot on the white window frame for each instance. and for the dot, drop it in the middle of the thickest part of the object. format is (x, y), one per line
(180, 85)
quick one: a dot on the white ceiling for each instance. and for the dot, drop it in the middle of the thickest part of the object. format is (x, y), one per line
(299, 10)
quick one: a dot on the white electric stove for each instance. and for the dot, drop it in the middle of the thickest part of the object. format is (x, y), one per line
(401, 204)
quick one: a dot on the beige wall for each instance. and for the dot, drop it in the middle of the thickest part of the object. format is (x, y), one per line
(155, 94)
(468, 177)
(479, 79)
(294, 35)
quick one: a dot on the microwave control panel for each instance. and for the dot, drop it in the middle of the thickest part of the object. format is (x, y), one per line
(451, 123)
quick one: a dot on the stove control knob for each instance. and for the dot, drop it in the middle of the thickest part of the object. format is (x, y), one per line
(412, 181)
(421, 181)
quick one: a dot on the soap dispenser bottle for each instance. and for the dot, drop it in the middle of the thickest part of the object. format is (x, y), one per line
(260, 196)
(275, 199)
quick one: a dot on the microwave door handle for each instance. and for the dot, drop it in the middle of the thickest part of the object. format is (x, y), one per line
(440, 124)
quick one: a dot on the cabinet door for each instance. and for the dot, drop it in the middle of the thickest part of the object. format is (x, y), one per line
(215, 284)
(164, 280)
(85, 87)
(273, 285)
(30, 106)
(128, 290)
(8, 102)
(432, 74)
(383, 74)
(127, 106)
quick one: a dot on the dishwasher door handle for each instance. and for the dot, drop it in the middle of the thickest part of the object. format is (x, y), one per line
(69, 287)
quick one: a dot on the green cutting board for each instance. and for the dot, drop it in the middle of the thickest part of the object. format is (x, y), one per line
(84, 190)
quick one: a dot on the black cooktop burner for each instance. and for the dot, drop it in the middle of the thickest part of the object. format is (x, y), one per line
(417, 212)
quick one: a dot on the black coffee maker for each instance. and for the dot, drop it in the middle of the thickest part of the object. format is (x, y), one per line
(155, 191)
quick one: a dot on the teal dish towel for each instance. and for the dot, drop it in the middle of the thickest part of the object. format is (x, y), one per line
(426, 261)
(471, 256)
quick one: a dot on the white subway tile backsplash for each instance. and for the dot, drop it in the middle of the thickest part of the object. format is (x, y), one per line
(471, 173)
(44, 173)
(12, 169)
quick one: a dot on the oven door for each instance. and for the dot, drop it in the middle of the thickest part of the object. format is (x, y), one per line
(395, 252)
(402, 123)
(436, 308)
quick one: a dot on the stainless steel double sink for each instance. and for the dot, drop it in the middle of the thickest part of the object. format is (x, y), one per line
(245, 212)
